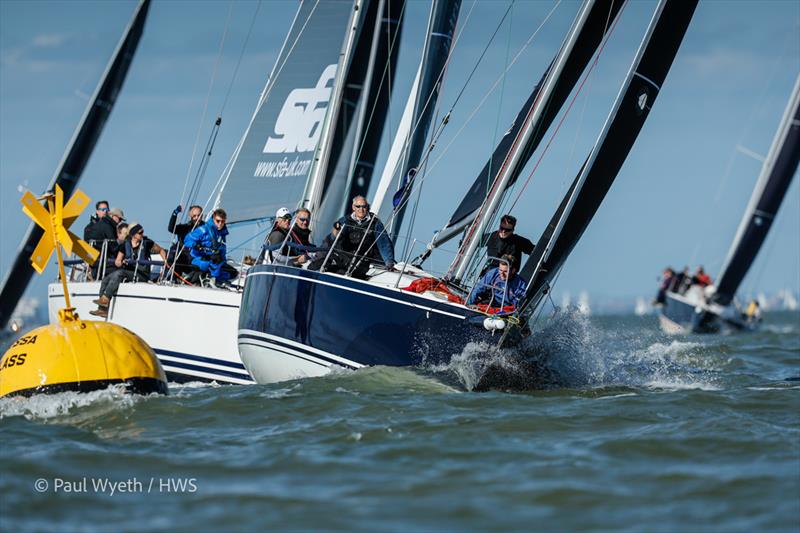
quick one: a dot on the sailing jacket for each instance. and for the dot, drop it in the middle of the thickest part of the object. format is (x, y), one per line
(376, 242)
(99, 230)
(207, 247)
(515, 245)
(491, 285)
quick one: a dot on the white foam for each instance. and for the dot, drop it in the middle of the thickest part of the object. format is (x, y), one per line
(49, 406)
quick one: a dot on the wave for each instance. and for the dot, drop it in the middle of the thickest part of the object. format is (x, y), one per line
(570, 352)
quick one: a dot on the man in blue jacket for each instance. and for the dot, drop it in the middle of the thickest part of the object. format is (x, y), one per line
(207, 247)
(500, 286)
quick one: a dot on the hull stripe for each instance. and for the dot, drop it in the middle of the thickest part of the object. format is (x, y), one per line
(302, 352)
(200, 358)
(293, 345)
(214, 371)
(366, 293)
(262, 344)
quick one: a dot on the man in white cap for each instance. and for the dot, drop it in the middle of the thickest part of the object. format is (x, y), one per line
(278, 235)
(117, 215)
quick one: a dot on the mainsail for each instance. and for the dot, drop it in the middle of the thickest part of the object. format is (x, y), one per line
(773, 182)
(412, 135)
(631, 109)
(276, 155)
(77, 154)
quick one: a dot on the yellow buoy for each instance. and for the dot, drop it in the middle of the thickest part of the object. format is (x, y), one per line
(74, 355)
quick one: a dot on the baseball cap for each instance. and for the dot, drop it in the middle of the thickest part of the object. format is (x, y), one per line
(117, 212)
(283, 213)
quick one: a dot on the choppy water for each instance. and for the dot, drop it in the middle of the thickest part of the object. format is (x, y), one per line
(648, 433)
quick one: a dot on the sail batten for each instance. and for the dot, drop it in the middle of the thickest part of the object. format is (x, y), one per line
(77, 154)
(776, 174)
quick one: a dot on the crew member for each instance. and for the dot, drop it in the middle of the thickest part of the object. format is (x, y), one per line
(505, 241)
(183, 263)
(701, 278)
(208, 248)
(364, 239)
(500, 286)
(100, 229)
(131, 263)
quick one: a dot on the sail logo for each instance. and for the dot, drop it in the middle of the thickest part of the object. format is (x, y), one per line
(299, 123)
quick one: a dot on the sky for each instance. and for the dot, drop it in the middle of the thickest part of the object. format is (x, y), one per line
(677, 200)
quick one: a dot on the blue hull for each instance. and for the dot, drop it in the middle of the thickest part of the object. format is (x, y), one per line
(291, 316)
(690, 318)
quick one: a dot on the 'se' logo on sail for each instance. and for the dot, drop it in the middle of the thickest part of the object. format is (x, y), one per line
(299, 123)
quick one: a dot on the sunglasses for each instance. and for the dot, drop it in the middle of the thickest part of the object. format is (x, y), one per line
(219, 220)
(362, 206)
(506, 228)
(300, 219)
(104, 209)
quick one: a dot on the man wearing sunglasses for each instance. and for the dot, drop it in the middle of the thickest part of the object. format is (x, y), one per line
(100, 229)
(364, 239)
(505, 241)
(208, 248)
(283, 231)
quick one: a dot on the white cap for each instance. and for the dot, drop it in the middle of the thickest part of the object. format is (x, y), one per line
(283, 213)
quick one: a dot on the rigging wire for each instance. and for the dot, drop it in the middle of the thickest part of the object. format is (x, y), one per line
(446, 117)
(572, 102)
(208, 98)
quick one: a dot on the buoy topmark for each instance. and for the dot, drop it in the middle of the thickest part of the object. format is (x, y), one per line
(73, 355)
(79, 356)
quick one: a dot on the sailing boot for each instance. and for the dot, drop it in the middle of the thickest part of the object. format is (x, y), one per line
(102, 312)
(103, 301)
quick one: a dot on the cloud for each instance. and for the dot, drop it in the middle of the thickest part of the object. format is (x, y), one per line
(49, 40)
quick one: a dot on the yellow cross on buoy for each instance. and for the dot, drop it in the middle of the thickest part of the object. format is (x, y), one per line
(55, 221)
(74, 355)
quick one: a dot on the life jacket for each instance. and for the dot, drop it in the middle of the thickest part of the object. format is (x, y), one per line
(140, 253)
(360, 237)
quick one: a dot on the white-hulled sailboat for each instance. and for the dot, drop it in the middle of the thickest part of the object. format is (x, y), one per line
(713, 309)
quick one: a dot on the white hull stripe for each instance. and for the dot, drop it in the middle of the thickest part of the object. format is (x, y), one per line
(298, 346)
(366, 293)
(295, 349)
(167, 358)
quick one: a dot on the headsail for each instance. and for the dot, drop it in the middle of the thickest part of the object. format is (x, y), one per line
(361, 117)
(77, 154)
(441, 27)
(773, 182)
(276, 155)
(590, 27)
(636, 98)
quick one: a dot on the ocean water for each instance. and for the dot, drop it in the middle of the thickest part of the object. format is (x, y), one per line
(643, 432)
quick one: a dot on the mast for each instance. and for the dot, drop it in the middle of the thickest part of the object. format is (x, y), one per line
(363, 113)
(441, 27)
(773, 182)
(315, 188)
(77, 154)
(622, 127)
(387, 47)
(590, 26)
